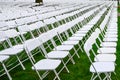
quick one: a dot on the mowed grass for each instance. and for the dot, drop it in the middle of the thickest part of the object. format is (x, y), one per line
(78, 71)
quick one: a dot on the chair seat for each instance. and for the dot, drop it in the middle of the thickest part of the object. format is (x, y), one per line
(105, 57)
(92, 22)
(57, 54)
(64, 47)
(11, 51)
(3, 58)
(113, 28)
(33, 28)
(108, 44)
(79, 35)
(102, 67)
(70, 42)
(112, 36)
(13, 35)
(46, 64)
(23, 33)
(109, 29)
(110, 39)
(19, 46)
(3, 39)
(75, 38)
(87, 27)
(106, 50)
(112, 33)
(82, 32)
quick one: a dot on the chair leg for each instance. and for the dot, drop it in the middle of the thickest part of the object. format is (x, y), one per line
(92, 76)
(114, 73)
(4, 45)
(98, 74)
(21, 39)
(56, 74)
(76, 53)
(10, 78)
(107, 77)
(65, 66)
(71, 58)
(32, 57)
(22, 35)
(80, 47)
(38, 74)
(20, 63)
(38, 32)
(15, 41)
(32, 34)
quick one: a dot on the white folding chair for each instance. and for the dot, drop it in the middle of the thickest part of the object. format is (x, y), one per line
(42, 26)
(2, 59)
(12, 33)
(43, 64)
(105, 56)
(49, 36)
(24, 29)
(12, 50)
(98, 67)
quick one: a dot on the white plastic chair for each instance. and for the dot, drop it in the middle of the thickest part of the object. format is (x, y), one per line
(23, 30)
(4, 58)
(49, 36)
(98, 67)
(12, 50)
(43, 64)
(12, 33)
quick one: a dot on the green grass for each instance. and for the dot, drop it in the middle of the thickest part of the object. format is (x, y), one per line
(78, 71)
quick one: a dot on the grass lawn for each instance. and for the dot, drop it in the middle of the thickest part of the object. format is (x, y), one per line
(79, 71)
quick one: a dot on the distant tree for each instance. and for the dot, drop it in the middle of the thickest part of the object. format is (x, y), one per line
(39, 1)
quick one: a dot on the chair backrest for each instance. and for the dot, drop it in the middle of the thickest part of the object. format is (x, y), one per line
(2, 35)
(48, 35)
(23, 28)
(32, 26)
(49, 21)
(20, 21)
(11, 23)
(3, 24)
(40, 24)
(32, 44)
(102, 26)
(87, 47)
(60, 17)
(62, 28)
(11, 33)
(97, 31)
(88, 44)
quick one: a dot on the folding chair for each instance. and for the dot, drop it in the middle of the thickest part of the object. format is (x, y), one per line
(42, 26)
(3, 39)
(43, 64)
(12, 50)
(52, 33)
(33, 27)
(11, 25)
(12, 33)
(50, 21)
(105, 56)
(98, 67)
(24, 29)
(20, 21)
(2, 59)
